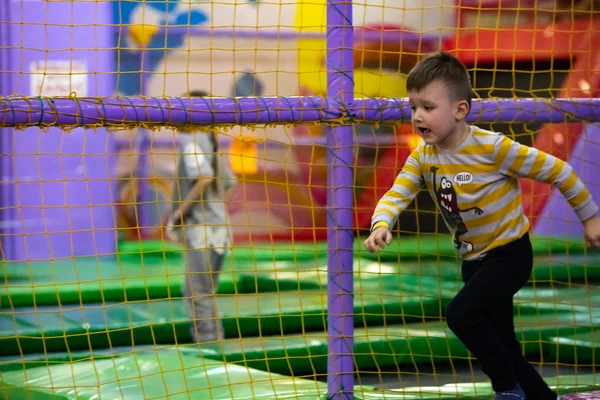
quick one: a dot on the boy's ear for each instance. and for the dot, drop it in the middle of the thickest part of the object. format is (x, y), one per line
(462, 110)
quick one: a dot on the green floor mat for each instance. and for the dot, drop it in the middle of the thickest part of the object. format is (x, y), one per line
(577, 349)
(529, 300)
(546, 300)
(301, 365)
(375, 348)
(156, 375)
(28, 330)
(385, 276)
(563, 268)
(381, 347)
(481, 390)
(427, 246)
(33, 360)
(82, 281)
(86, 281)
(257, 252)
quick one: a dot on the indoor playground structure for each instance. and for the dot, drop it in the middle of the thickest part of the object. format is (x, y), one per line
(309, 103)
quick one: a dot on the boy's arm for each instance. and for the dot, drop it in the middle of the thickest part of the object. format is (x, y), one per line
(197, 165)
(231, 179)
(192, 197)
(515, 159)
(407, 185)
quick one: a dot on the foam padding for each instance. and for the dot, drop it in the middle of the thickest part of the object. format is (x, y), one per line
(256, 252)
(561, 384)
(84, 281)
(548, 300)
(436, 246)
(578, 348)
(382, 347)
(28, 330)
(154, 374)
(566, 268)
(529, 300)
(424, 246)
(371, 275)
(62, 365)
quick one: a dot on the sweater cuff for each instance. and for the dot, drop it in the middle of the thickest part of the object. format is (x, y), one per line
(380, 223)
(587, 211)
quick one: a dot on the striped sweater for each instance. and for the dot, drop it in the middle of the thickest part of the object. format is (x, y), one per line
(476, 189)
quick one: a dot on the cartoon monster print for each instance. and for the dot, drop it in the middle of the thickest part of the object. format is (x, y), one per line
(448, 204)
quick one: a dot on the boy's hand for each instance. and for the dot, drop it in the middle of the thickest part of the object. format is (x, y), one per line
(173, 223)
(378, 239)
(591, 230)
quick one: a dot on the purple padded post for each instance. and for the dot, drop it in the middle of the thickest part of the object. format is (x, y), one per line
(340, 204)
(160, 111)
(144, 145)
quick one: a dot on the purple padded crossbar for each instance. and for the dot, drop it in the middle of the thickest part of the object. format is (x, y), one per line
(369, 35)
(119, 111)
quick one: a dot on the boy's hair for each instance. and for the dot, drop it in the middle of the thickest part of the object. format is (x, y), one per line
(445, 68)
(197, 93)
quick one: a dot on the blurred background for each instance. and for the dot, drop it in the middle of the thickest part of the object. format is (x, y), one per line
(531, 49)
(90, 282)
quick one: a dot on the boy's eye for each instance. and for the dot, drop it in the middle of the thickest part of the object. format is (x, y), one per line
(428, 108)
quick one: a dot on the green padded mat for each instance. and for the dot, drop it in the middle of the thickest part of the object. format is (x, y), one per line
(86, 281)
(428, 246)
(579, 348)
(257, 252)
(376, 348)
(529, 300)
(562, 384)
(156, 375)
(407, 247)
(28, 330)
(546, 300)
(177, 371)
(382, 347)
(567, 268)
(82, 281)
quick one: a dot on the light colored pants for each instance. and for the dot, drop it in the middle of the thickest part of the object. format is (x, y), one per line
(203, 267)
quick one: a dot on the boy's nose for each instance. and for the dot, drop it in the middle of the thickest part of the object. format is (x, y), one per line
(417, 116)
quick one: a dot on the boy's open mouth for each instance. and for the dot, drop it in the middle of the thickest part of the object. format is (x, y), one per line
(423, 131)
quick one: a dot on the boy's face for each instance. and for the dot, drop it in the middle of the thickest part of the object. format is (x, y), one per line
(435, 115)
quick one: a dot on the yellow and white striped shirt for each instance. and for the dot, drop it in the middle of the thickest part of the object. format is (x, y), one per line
(476, 189)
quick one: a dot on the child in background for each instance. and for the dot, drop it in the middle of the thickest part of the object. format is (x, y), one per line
(199, 219)
(472, 176)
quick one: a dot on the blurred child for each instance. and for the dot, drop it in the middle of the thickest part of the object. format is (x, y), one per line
(472, 176)
(199, 219)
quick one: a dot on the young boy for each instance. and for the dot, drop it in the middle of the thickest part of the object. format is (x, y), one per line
(472, 176)
(199, 219)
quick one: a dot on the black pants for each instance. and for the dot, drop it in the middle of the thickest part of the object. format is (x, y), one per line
(481, 316)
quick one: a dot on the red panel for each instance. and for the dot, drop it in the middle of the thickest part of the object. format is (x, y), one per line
(562, 40)
(384, 174)
(560, 139)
